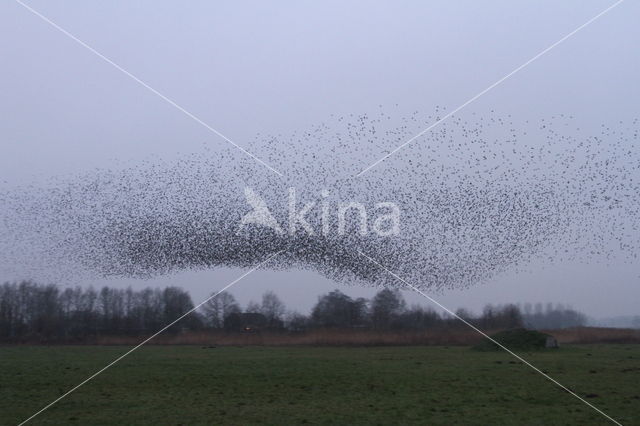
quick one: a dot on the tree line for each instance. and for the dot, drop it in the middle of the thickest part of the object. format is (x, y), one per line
(38, 312)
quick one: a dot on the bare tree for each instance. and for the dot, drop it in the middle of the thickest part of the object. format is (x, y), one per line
(218, 308)
(336, 309)
(295, 321)
(272, 308)
(386, 306)
(252, 307)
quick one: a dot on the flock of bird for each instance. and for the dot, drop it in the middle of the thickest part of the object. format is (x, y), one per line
(476, 196)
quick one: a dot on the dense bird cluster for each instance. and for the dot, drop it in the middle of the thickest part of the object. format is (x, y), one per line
(476, 197)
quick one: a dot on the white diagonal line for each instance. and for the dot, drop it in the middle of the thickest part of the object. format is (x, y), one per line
(490, 87)
(145, 85)
(151, 337)
(412, 287)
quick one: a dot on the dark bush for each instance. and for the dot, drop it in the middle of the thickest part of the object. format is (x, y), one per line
(518, 339)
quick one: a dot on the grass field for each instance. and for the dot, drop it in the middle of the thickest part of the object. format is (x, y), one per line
(189, 385)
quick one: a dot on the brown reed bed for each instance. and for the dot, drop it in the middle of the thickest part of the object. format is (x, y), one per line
(363, 337)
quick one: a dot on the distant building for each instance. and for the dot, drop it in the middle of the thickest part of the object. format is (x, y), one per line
(246, 322)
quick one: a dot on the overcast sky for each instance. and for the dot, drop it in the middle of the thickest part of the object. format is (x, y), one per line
(260, 67)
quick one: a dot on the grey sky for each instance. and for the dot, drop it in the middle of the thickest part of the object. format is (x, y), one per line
(273, 67)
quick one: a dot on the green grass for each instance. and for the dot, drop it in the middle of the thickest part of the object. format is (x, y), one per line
(190, 385)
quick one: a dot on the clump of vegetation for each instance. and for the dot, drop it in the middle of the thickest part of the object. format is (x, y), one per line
(518, 339)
